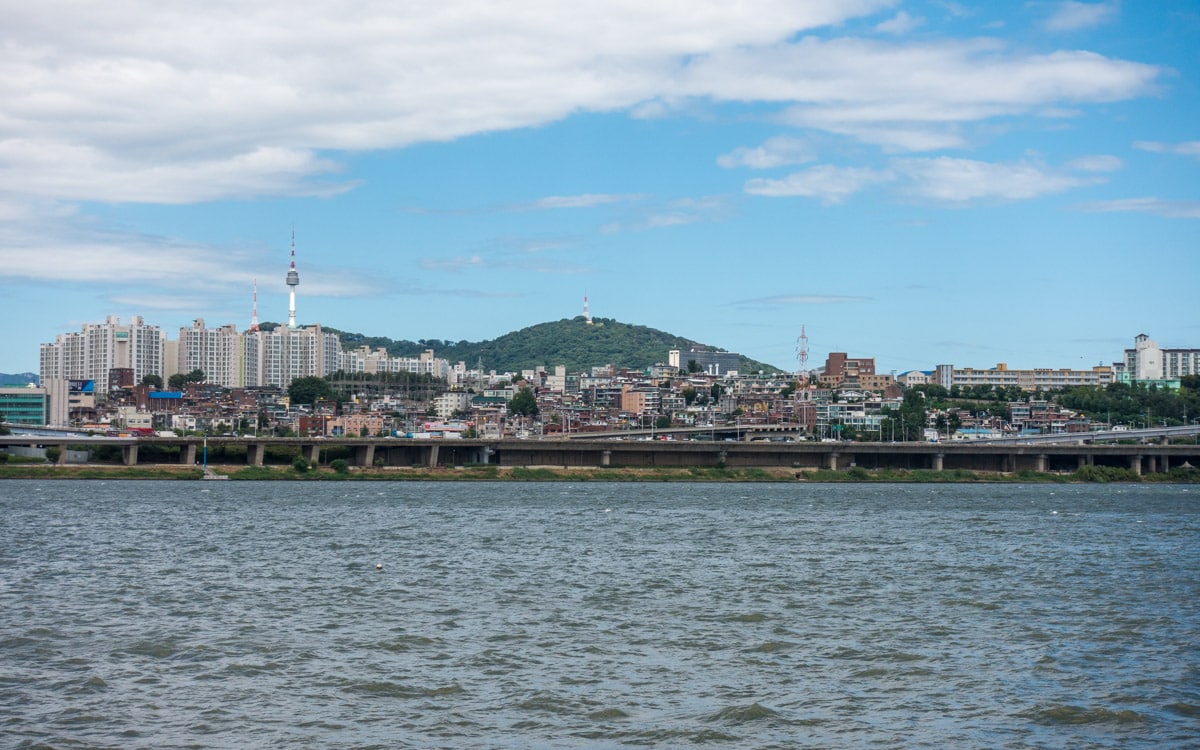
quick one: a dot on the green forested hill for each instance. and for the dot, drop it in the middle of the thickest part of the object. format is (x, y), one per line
(571, 342)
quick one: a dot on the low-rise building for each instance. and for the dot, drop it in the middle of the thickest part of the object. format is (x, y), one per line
(24, 405)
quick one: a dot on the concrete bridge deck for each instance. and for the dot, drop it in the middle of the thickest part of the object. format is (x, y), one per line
(992, 456)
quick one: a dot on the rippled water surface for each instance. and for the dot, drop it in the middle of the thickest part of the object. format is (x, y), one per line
(228, 614)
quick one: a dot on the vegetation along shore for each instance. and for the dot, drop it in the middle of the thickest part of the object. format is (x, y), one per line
(340, 472)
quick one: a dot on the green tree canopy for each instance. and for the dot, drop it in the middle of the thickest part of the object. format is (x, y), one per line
(308, 390)
(523, 403)
(179, 379)
(154, 381)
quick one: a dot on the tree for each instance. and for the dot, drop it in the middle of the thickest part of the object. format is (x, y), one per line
(693, 367)
(154, 381)
(179, 379)
(308, 390)
(663, 422)
(300, 464)
(523, 403)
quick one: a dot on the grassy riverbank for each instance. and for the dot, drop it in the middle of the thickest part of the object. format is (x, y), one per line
(1094, 474)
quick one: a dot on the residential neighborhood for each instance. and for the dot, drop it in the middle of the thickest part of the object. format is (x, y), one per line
(117, 378)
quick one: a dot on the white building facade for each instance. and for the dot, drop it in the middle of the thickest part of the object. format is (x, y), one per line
(99, 348)
(1147, 361)
(217, 352)
(279, 356)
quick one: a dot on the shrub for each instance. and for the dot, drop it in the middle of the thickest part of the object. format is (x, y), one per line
(339, 465)
(1103, 474)
(300, 464)
(52, 454)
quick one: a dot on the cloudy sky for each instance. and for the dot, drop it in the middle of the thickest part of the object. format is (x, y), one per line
(922, 182)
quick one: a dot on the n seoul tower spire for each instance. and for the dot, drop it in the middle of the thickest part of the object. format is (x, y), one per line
(293, 280)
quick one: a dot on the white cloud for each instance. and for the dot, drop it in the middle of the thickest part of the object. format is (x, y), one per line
(77, 172)
(901, 23)
(829, 184)
(136, 100)
(1186, 148)
(1151, 205)
(586, 200)
(942, 180)
(912, 96)
(1073, 16)
(43, 249)
(531, 262)
(781, 300)
(960, 181)
(1096, 163)
(141, 101)
(678, 212)
(774, 152)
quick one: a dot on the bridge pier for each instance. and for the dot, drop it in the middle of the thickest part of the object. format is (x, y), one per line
(187, 454)
(831, 462)
(1135, 465)
(939, 461)
(606, 458)
(254, 454)
(433, 456)
(311, 453)
(1043, 462)
(1085, 459)
(364, 455)
(128, 454)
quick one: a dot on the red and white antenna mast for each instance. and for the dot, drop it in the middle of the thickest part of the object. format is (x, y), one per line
(587, 316)
(802, 352)
(254, 314)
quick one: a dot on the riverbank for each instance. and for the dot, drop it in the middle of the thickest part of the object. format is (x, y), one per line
(1089, 474)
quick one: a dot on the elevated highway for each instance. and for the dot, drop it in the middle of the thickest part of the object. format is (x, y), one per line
(975, 455)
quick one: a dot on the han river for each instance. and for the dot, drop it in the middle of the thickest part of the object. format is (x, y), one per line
(138, 614)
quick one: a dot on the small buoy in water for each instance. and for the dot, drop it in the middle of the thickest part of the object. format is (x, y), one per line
(378, 566)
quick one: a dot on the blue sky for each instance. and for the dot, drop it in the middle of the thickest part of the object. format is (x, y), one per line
(922, 182)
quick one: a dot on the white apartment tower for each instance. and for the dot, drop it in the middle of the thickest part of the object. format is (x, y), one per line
(98, 349)
(279, 356)
(1147, 361)
(215, 351)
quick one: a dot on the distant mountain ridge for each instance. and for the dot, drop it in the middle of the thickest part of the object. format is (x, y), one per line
(18, 378)
(570, 342)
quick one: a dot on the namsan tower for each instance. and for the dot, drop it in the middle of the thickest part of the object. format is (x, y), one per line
(293, 281)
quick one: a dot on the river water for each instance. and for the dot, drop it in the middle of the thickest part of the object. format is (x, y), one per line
(559, 615)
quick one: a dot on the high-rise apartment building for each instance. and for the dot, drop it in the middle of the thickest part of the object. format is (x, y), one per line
(279, 356)
(98, 349)
(1147, 361)
(217, 352)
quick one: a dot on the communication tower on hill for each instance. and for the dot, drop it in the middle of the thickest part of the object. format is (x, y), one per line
(293, 280)
(802, 352)
(254, 313)
(587, 316)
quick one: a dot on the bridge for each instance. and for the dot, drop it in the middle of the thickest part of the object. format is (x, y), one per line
(974, 455)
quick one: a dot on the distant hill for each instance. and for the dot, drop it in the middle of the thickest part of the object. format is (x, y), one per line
(18, 378)
(571, 342)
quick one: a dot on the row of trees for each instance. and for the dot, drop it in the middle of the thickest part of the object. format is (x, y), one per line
(177, 381)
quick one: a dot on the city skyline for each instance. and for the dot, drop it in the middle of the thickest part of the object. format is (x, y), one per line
(919, 182)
